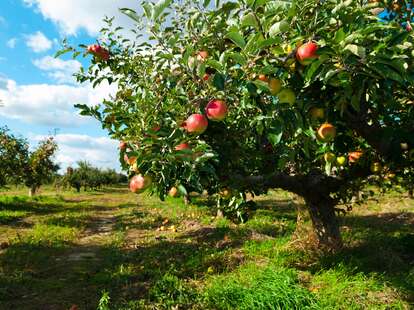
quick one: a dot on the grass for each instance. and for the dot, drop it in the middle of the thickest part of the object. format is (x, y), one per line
(113, 250)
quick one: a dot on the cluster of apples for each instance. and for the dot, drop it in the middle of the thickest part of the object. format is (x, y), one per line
(138, 182)
(99, 52)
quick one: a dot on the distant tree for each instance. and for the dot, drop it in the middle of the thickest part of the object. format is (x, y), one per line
(19, 165)
(13, 154)
(90, 177)
(40, 168)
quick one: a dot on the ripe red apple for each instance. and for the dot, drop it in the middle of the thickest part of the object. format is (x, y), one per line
(99, 51)
(139, 183)
(196, 123)
(306, 53)
(326, 132)
(122, 145)
(202, 55)
(353, 157)
(206, 77)
(216, 110)
(182, 146)
(262, 77)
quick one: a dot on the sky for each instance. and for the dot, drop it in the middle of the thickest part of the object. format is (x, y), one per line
(38, 91)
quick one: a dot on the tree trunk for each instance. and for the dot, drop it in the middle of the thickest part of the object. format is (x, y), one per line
(325, 224)
(32, 191)
(411, 193)
(187, 199)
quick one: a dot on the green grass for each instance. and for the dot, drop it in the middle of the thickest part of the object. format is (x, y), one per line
(118, 250)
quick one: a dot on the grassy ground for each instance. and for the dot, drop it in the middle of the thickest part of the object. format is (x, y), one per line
(115, 250)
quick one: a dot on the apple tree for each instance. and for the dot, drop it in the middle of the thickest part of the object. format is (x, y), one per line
(39, 165)
(13, 153)
(236, 97)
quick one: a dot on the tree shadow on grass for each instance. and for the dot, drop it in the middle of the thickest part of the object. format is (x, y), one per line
(74, 274)
(377, 245)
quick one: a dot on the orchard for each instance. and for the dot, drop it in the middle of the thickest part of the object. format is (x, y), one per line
(312, 97)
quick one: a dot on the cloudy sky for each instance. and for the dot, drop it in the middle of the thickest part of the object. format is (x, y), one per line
(38, 91)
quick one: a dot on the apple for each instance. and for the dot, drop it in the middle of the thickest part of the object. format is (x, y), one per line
(262, 77)
(196, 123)
(173, 192)
(98, 51)
(326, 132)
(202, 55)
(341, 161)
(216, 110)
(306, 53)
(182, 146)
(404, 146)
(287, 95)
(329, 157)
(139, 183)
(206, 77)
(376, 167)
(317, 113)
(130, 160)
(353, 157)
(122, 145)
(275, 86)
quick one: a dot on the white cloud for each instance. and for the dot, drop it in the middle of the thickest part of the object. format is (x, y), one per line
(3, 21)
(57, 69)
(99, 151)
(49, 105)
(11, 43)
(74, 15)
(38, 42)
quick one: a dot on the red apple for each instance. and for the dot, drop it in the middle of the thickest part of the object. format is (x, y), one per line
(202, 55)
(216, 110)
(122, 145)
(98, 51)
(262, 77)
(196, 123)
(139, 183)
(307, 52)
(326, 132)
(353, 157)
(182, 146)
(206, 77)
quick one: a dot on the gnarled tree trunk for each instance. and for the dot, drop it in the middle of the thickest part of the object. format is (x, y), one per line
(325, 223)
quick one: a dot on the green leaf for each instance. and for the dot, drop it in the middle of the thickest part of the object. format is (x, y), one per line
(237, 39)
(249, 20)
(62, 52)
(218, 81)
(148, 7)
(159, 8)
(214, 64)
(131, 14)
(279, 27)
(356, 50)
(182, 190)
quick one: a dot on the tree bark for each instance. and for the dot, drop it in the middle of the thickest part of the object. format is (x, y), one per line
(32, 191)
(325, 224)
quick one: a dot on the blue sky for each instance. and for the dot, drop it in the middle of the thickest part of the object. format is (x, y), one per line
(38, 91)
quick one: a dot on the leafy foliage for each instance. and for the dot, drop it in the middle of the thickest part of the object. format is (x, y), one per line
(362, 77)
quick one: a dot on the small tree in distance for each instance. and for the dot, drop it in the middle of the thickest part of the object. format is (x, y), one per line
(313, 97)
